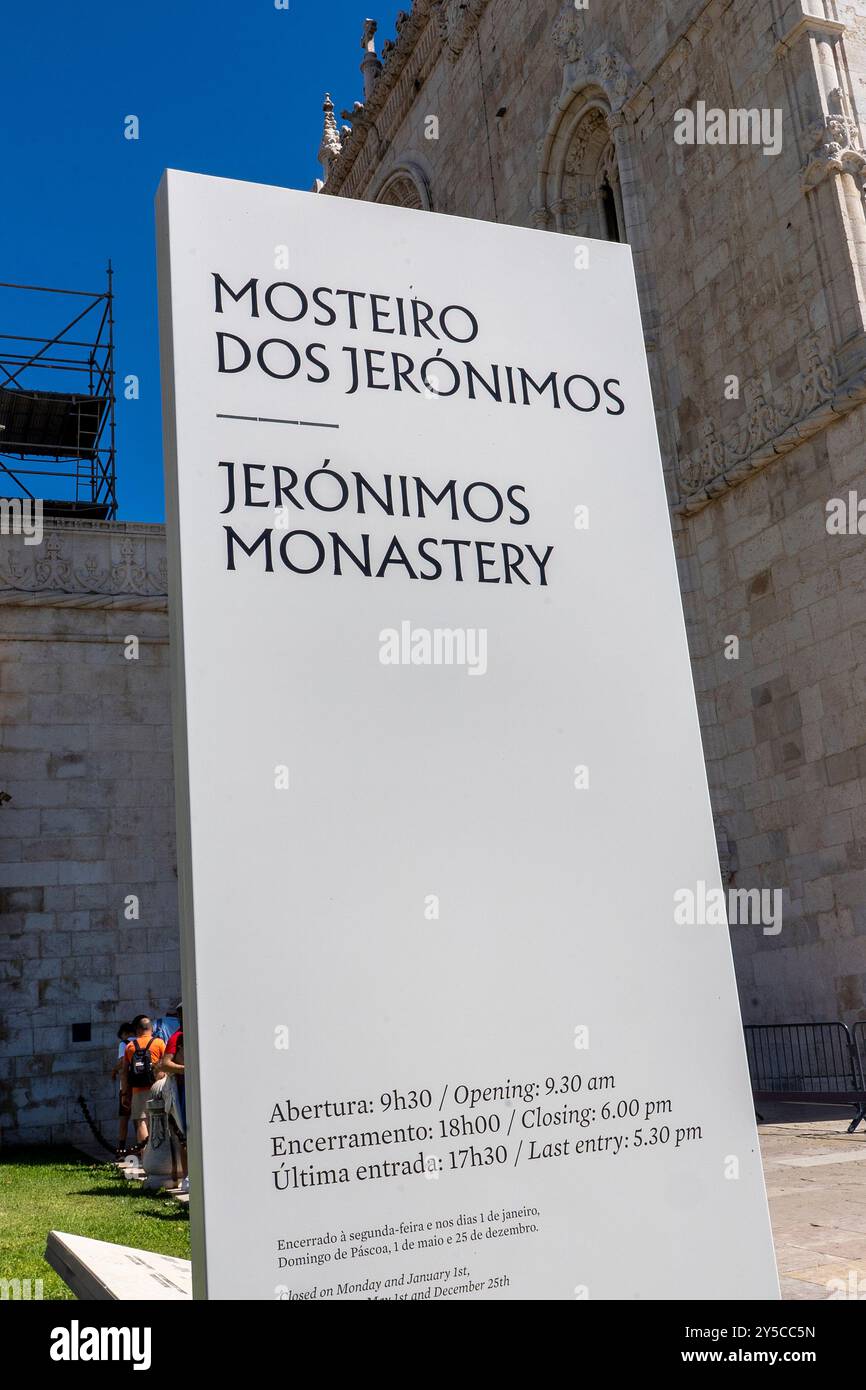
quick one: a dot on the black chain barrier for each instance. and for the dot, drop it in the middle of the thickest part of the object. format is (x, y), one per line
(100, 1137)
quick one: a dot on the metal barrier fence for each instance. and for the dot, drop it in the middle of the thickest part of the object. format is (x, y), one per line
(808, 1063)
(860, 1044)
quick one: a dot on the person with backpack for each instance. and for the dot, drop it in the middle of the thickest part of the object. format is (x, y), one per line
(124, 1038)
(140, 1066)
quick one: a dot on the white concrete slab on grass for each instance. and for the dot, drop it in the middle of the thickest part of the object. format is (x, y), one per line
(98, 1270)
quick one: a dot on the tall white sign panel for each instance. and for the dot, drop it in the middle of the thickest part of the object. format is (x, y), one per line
(454, 1031)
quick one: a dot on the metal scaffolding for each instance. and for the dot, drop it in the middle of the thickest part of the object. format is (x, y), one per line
(57, 433)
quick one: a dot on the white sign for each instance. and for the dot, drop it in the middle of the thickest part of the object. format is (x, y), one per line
(439, 771)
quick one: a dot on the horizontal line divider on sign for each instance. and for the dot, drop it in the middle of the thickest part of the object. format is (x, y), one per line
(270, 420)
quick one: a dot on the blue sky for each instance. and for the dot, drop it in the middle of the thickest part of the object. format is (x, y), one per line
(228, 87)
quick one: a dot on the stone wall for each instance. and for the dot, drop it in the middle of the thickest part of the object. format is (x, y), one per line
(85, 758)
(750, 271)
(784, 725)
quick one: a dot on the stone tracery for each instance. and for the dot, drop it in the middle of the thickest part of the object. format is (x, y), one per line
(405, 187)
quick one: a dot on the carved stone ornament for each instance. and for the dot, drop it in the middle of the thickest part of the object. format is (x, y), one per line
(833, 150)
(605, 67)
(770, 426)
(417, 32)
(457, 20)
(80, 561)
(331, 143)
(567, 33)
(835, 145)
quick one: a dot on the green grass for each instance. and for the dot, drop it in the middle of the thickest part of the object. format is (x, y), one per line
(58, 1189)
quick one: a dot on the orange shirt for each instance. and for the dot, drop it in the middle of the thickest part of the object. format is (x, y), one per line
(157, 1048)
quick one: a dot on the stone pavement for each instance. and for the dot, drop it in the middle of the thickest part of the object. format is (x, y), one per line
(816, 1185)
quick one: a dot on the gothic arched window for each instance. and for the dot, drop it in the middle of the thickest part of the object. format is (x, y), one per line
(580, 184)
